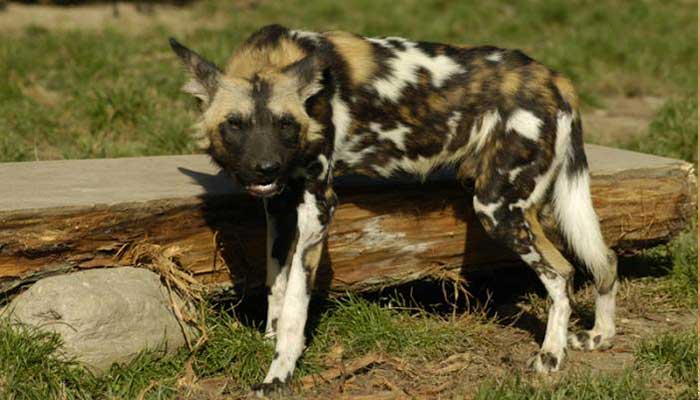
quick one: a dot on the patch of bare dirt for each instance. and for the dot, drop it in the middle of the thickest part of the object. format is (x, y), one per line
(622, 118)
(130, 18)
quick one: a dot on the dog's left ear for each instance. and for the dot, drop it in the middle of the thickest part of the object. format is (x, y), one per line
(308, 73)
(204, 74)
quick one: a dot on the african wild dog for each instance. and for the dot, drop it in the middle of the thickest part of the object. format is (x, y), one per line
(293, 109)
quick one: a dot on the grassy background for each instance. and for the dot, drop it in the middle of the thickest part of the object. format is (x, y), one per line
(109, 93)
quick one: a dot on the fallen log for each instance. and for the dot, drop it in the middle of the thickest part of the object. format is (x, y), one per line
(58, 216)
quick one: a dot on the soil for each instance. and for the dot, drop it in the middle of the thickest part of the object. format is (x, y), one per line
(128, 18)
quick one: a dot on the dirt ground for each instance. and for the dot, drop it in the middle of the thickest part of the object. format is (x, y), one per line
(128, 18)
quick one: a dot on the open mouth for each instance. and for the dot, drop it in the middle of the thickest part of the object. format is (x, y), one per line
(264, 190)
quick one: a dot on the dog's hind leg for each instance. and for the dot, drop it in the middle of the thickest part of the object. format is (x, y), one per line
(512, 181)
(520, 230)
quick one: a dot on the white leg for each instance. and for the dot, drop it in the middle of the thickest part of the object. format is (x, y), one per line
(312, 223)
(604, 327)
(553, 351)
(605, 313)
(290, 338)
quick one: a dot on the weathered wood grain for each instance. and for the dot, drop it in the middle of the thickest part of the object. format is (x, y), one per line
(65, 215)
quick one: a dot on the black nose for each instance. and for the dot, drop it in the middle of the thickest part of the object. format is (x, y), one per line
(268, 169)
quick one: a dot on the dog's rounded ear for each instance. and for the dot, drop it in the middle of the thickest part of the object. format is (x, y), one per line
(204, 75)
(308, 73)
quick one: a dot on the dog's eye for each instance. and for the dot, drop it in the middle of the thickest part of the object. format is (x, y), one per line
(234, 123)
(288, 124)
(231, 129)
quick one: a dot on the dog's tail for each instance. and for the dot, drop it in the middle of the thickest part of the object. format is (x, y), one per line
(575, 214)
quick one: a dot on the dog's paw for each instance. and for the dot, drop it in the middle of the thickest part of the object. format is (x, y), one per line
(546, 361)
(588, 340)
(262, 390)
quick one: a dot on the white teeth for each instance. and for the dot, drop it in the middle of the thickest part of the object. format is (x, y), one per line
(263, 188)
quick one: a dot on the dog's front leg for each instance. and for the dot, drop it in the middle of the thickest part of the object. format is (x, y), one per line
(314, 211)
(281, 215)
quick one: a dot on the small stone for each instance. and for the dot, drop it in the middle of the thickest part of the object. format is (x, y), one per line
(103, 316)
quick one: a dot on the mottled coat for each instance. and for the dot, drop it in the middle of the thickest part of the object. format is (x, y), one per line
(293, 109)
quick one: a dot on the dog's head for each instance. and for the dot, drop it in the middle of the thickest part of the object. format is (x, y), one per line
(253, 116)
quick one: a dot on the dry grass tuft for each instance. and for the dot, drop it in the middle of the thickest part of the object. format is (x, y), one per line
(185, 291)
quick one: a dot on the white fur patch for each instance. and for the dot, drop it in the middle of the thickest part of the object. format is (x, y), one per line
(532, 257)
(453, 123)
(513, 173)
(555, 338)
(396, 135)
(542, 182)
(488, 209)
(496, 56)
(341, 119)
(564, 121)
(481, 131)
(341, 122)
(605, 313)
(577, 218)
(324, 166)
(310, 228)
(313, 36)
(525, 123)
(404, 65)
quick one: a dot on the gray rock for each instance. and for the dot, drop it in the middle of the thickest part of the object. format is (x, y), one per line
(103, 315)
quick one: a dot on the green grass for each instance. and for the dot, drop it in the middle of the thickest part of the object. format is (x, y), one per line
(673, 132)
(360, 326)
(113, 94)
(672, 270)
(31, 366)
(665, 367)
(675, 353)
(235, 350)
(684, 273)
(575, 387)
